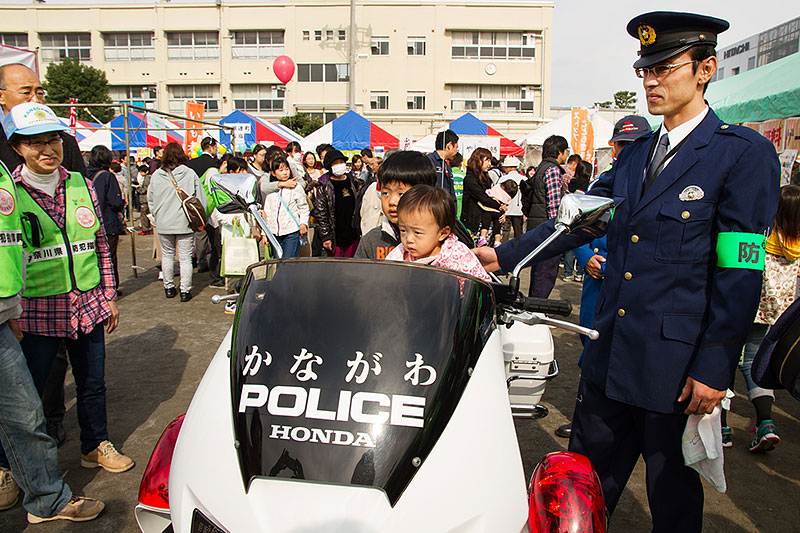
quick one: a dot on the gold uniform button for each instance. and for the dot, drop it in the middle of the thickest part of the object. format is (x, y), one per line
(597, 250)
(628, 275)
(621, 312)
(685, 215)
(724, 127)
(634, 238)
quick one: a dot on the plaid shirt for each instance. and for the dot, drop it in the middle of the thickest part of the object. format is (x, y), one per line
(552, 182)
(62, 314)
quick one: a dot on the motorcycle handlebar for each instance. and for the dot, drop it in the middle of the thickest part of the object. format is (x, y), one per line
(550, 307)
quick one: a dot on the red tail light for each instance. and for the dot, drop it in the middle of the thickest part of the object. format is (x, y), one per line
(566, 496)
(154, 489)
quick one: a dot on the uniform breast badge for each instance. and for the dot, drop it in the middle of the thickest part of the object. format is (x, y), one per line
(690, 193)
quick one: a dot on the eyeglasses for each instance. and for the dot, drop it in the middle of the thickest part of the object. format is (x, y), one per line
(39, 145)
(28, 93)
(658, 71)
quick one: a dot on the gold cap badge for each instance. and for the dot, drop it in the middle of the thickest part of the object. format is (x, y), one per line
(647, 35)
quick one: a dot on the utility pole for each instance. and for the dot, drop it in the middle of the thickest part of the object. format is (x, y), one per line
(351, 89)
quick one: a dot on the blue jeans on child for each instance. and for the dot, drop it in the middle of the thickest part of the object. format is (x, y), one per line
(32, 454)
(754, 338)
(290, 244)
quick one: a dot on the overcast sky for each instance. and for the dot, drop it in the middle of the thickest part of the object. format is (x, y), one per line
(592, 53)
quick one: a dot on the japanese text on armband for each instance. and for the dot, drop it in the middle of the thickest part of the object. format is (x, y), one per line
(741, 250)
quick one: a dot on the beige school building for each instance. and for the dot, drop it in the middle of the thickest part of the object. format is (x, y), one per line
(408, 65)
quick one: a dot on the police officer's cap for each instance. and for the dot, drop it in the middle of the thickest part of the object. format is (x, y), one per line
(664, 34)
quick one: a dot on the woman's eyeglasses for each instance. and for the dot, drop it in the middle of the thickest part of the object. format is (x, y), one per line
(39, 144)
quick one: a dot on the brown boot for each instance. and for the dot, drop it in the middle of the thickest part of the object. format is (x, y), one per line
(107, 457)
(9, 490)
(79, 509)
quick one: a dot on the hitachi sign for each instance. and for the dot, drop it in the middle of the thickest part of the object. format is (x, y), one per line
(736, 50)
(362, 407)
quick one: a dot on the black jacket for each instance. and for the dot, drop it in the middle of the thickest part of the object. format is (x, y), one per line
(110, 199)
(324, 211)
(201, 164)
(474, 192)
(534, 195)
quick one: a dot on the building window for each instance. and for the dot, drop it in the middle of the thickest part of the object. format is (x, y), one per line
(323, 72)
(492, 98)
(778, 42)
(258, 98)
(416, 46)
(141, 95)
(257, 44)
(496, 45)
(192, 45)
(19, 40)
(206, 94)
(734, 71)
(306, 35)
(721, 73)
(416, 100)
(129, 47)
(328, 35)
(380, 46)
(57, 46)
(324, 117)
(317, 35)
(342, 35)
(378, 100)
(751, 63)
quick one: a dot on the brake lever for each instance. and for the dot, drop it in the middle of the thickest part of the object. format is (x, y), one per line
(536, 318)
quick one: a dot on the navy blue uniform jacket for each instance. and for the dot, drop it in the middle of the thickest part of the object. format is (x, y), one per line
(679, 314)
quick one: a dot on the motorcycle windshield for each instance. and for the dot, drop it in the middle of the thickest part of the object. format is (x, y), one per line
(347, 371)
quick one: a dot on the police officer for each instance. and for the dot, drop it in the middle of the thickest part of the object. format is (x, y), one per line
(683, 276)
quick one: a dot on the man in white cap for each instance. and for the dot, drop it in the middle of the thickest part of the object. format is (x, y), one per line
(514, 218)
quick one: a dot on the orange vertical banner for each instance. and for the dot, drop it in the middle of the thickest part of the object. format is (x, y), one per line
(582, 135)
(194, 111)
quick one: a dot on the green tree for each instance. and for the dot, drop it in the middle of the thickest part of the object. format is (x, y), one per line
(72, 79)
(605, 105)
(625, 99)
(302, 123)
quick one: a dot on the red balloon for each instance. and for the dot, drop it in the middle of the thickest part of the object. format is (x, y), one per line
(284, 68)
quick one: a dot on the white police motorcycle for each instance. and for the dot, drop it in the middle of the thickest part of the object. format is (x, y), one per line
(358, 396)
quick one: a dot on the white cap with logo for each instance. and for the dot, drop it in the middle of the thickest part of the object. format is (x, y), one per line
(31, 118)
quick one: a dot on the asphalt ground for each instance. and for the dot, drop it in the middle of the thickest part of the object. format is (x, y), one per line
(162, 347)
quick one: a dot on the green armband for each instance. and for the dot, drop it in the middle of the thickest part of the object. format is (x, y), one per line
(741, 250)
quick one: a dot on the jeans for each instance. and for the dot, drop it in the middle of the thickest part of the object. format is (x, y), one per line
(569, 263)
(184, 245)
(87, 355)
(32, 454)
(754, 338)
(290, 244)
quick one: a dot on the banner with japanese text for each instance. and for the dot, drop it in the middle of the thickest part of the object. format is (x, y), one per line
(73, 115)
(582, 135)
(773, 131)
(194, 111)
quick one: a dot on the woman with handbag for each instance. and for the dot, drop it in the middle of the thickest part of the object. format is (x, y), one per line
(172, 223)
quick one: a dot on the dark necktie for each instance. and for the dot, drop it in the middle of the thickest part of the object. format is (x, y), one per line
(655, 166)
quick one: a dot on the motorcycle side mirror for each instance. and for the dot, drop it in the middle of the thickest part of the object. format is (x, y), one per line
(242, 188)
(578, 213)
(585, 214)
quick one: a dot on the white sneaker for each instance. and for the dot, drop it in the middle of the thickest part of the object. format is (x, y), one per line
(230, 307)
(160, 275)
(9, 490)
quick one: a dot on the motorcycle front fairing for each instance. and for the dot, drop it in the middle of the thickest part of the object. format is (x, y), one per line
(358, 400)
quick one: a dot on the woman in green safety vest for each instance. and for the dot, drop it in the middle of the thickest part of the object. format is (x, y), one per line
(69, 282)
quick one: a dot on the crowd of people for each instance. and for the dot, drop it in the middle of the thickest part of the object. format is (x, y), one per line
(654, 276)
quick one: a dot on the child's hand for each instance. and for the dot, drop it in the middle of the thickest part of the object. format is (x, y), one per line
(288, 184)
(303, 229)
(328, 245)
